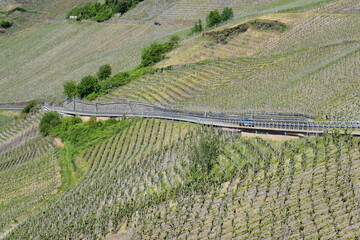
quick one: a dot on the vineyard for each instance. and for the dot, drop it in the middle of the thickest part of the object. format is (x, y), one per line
(53, 53)
(311, 67)
(188, 10)
(143, 178)
(250, 83)
(6, 119)
(28, 170)
(141, 184)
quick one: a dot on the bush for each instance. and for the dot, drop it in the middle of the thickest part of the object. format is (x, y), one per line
(28, 108)
(227, 14)
(157, 51)
(197, 27)
(104, 72)
(87, 86)
(102, 11)
(205, 152)
(213, 18)
(18, 9)
(5, 24)
(70, 89)
(66, 123)
(48, 122)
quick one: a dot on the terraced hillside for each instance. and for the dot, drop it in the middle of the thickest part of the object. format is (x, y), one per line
(37, 60)
(319, 81)
(311, 67)
(144, 183)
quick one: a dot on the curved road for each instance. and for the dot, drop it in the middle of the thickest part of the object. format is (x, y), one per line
(297, 128)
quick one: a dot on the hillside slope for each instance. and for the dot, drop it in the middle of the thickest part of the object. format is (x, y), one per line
(311, 67)
(145, 183)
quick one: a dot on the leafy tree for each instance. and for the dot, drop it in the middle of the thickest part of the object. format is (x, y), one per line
(104, 72)
(70, 89)
(227, 14)
(88, 85)
(48, 121)
(213, 18)
(5, 24)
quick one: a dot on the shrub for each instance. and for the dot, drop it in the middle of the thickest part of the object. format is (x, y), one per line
(157, 51)
(18, 9)
(104, 72)
(49, 121)
(102, 11)
(197, 27)
(88, 85)
(66, 123)
(227, 14)
(205, 152)
(28, 108)
(5, 24)
(70, 89)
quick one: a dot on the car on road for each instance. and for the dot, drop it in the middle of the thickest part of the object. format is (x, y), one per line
(247, 122)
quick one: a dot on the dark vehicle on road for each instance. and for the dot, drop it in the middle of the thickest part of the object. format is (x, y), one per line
(247, 122)
(157, 24)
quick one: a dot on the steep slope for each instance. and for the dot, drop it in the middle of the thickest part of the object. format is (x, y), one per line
(144, 183)
(28, 171)
(311, 67)
(37, 62)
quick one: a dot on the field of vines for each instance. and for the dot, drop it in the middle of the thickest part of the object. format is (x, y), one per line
(310, 68)
(49, 54)
(188, 10)
(28, 171)
(304, 189)
(7, 118)
(319, 81)
(139, 186)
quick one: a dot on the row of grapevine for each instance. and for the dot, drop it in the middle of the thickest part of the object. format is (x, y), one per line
(137, 186)
(28, 175)
(307, 191)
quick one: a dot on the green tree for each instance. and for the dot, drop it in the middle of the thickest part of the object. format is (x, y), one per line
(104, 72)
(48, 121)
(213, 18)
(69, 89)
(87, 86)
(227, 14)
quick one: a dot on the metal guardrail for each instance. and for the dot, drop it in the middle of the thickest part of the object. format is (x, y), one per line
(117, 106)
(306, 126)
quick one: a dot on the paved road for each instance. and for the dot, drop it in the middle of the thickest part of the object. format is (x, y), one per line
(298, 128)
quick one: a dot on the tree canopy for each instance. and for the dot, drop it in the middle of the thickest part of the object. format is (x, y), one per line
(69, 89)
(87, 86)
(104, 72)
